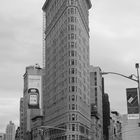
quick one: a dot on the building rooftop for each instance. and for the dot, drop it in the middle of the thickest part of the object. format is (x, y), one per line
(44, 6)
(46, 2)
(36, 117)
(89, 4)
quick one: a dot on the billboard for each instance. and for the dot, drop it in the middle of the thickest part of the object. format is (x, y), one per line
(132, 103)
(34, 92)
(33, 102)
(93, 109)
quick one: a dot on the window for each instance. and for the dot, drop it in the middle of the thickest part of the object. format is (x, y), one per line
(75, 27)
(82, 129)
(72, 62)
(75, 19)
(73, 80)
(72, 36)
(84, 87)
(73, 127)
(73, 106)
(68, 19)
(72, 2)
(73, 117)
(72, 53)
(95, 91)
(69, 11)
(72, 44)
(114, 131)
(75, 10)
(69, 36)
(69, 98)
(73, 97)
(72, 27)
(72, 70)
(87, 131)
(74, 88)
(96, 100)
(95, 83)
(72, 19)
(73, 137)
(80, 91)
(72, 10)
(68, 27)
(69, 44)
(80, 75)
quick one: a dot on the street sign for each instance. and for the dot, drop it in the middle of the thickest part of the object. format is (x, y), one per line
(33, 98)
(132, 103)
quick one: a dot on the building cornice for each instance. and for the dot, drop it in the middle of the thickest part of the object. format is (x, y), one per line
(89, 3)
(36, 117)
(45, 4)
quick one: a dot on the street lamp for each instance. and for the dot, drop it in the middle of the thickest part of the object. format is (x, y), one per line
(136, 79)
(128, 77)
(44, 129)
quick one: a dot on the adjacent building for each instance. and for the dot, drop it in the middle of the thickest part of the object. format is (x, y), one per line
(131, 121)
(66, 98)
(96, 99)
(130, 128)
(37, 132)
(10, 131)
(2, 136)
(17, 135)
(106, 116)
(132, 103)
(31, 103)
(21, 118)
(115, 128)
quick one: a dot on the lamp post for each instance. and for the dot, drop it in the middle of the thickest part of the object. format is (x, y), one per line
(44, 129)
(136, 79)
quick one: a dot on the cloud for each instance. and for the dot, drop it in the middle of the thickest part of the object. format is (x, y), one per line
(20, 41)
(114, 32)
(114, 44)
(20, 30)
(7, 107)
(21, 45)
(116, 18)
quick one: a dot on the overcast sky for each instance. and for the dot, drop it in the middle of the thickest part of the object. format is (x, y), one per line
(114, 46)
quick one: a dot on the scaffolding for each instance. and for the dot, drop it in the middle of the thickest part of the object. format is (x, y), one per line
(43, 40)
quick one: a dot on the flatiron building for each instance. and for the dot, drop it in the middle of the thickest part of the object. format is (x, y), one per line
(66, 96)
